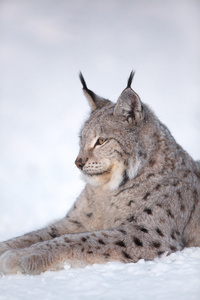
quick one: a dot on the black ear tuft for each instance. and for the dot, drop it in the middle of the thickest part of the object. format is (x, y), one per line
(83, 81)
(94, 100)
(129, 82)
(85, 88)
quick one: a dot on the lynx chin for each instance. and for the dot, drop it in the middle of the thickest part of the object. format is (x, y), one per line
(141, 198)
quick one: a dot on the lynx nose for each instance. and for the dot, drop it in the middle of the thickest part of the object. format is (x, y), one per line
(79, 163)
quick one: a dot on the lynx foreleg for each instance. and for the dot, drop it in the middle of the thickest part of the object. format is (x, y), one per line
(82, 249)
(55, 230)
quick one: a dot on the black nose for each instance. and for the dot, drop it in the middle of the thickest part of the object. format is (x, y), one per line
(79, 163)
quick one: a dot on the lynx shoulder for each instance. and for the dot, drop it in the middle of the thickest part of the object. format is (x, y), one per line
(141, 199)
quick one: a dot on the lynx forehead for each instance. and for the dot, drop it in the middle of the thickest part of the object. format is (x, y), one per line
(141, 199)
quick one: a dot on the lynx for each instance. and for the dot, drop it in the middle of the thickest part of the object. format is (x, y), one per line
(141, 199)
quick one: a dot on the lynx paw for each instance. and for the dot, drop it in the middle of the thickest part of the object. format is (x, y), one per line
(32, 264)
(9, 263)
(13, 262)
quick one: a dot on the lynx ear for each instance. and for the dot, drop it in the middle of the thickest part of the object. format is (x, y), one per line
(94, 100)
(129, 105)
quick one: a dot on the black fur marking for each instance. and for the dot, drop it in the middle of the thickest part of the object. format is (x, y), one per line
(148, 211)
(160, 252)
(169, 213)
(77, 223)
(84, 239)
(196, 197)
(120, 243)
(175, 183)
(143, 229)
(122, 231)
(156, 244)
(146, 196)
(53, 233)
(186, 173)
(119, 153)
(197, 173)
(130, 202)
(173, 236)
(89, 215)
(138, 242)
(129, 188)
(126, 255)
(183, 208)
(121, 145)
(125, 179)
(90, 252)
(142, 154)
(179, 195)
(152, 162)
(159, 232)
(150, 175)
(173, 248)
(67, 240)
(131, 219)
(158, 187)
(130, 79)
(100, 241)
(106, 255)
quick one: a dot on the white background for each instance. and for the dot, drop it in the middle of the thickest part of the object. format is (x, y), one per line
(43, 46)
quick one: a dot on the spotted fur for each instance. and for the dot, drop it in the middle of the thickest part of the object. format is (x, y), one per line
(141, 197)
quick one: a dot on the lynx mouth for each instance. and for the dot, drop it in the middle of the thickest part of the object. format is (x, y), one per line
(97, 174)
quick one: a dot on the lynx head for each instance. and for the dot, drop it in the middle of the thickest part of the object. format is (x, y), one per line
(109, 148)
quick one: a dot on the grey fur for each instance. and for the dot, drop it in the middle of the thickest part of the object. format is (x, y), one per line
(141, 197)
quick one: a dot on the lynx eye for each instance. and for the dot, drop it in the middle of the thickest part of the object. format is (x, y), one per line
(100, 142)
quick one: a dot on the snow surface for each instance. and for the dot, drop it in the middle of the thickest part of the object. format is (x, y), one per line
(43, 45)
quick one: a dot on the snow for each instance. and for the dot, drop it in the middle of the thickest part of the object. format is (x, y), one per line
(171, 277)
(44, 44)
